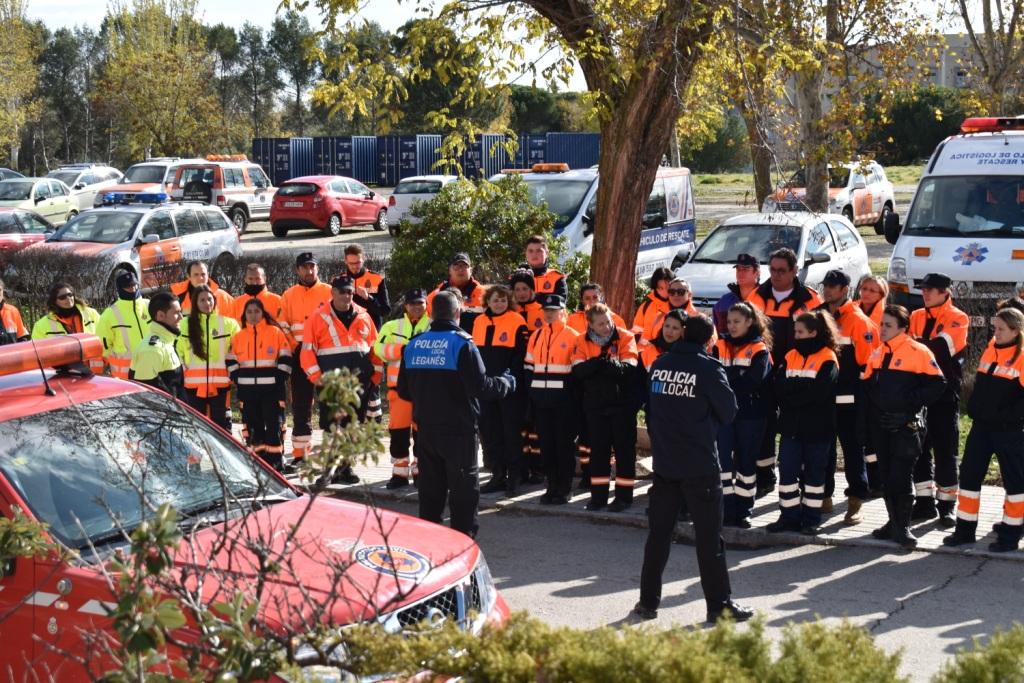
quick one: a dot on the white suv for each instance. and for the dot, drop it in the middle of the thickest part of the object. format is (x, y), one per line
(858, 190)
(86, 181)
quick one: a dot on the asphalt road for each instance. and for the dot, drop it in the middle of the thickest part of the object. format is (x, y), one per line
(575, 573)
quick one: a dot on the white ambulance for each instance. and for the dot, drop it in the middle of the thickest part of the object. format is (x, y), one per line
(966, 220)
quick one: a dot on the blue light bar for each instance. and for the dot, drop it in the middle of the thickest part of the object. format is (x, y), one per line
(130, 198)
(114, 198)
(151, 198)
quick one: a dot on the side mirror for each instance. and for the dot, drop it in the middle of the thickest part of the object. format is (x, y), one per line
(892, 227)
(588, 225)
(149, 239)
(370, 194)
(859, 185)
(79, 186)
(817, 258)
(7, 569)
(39, 199)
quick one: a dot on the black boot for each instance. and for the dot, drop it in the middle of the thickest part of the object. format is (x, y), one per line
(924, 509)
(901, 524)
(496, 484)
(962, 535)
(884, 532)
(946, 518)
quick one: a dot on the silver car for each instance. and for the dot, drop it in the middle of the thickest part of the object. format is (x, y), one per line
(86, 181)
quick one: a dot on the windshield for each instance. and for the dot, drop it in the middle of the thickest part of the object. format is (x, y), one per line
(418, 187)
(837, 178)
(84, 469)
(8, 224)
(726, 242)
(145, 173)
(297, 189)
(563, 197)
(66, 177)
(969, 205)
(106, 227)
(15, 189)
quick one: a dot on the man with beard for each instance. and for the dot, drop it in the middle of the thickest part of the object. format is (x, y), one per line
(155, 361)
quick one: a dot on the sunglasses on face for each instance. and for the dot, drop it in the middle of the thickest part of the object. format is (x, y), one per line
(678, 292)
(66, 295)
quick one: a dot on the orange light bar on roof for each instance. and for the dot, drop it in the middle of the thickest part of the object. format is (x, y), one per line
(509, 171)
(53, 352)
(226, 157)
(991, 124)
(550, 168)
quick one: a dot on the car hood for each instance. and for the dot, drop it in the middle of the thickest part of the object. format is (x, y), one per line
(789, 194)
(355, 561)
(80, 248)
(20, 203)
(708, 281)
(133, 187)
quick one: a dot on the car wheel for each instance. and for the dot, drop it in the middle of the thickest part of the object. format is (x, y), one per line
(393, 229)
(278, 230)
(880, 225)
(334, 225)
(382, 221)
(848, 213)
(239, 219)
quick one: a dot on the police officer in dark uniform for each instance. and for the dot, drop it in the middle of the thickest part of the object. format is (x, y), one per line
(689, 398)
(443, 375)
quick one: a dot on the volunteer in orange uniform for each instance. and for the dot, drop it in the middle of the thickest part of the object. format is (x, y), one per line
(298, 303)
(548, 367)
(203, 346)
(524, 298)
(388, 347)
(748, 274)
(123, 324)
(500, 334)
(12, 327)
(680, 298)
(996, 407)
(259, 364)
(872, 294)
(339, 335)
(547, 280)
(460, 277)
(858, 337)
(371, 289)
(590, 294)
(256, 288)
(605, 364)
(805, 384)
(198, 275)
(942, 327)
(782, 298)
(900, 380)
(655, 303)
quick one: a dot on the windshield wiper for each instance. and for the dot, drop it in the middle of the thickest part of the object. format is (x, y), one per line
(107, 538)
(936, 228)
(703, 259)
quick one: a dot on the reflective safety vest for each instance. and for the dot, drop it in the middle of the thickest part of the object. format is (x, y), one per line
(654, 324)
(393, 337)
(154, 355)
(548, 282)
(997, 400)
(272, 304)
(648, 310)
(50, 326)
(902, 376)
(180, 289)
(12, 324)
(875, 314)
(549, 357)
(210, 375)
(943, 329)
(121, 327)
(298, 303)
(783, 314)
(858, 337)
(739, 356)
(329, 345)
(260, 355)
(532, 313)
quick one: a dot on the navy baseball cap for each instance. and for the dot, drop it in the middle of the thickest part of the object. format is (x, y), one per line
(551, 302)
(836, 277)
(747, 260)
(936, 281)
(304, 258)
(415, 295)
(343, 282)
(461, 257)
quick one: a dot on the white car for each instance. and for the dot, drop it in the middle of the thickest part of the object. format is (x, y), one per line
(822, 242)
(409, 190)
(858, 190)
(86, 181)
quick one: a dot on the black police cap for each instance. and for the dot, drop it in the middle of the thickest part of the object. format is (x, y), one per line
(836, 277)
(304, 258)
(551, 301)
(936, 281)
(343, 282)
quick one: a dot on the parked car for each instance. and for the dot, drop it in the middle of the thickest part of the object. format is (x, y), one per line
(151, 175)
(230, 181)
(20, 228)
(858, 190)
(410, 190)
(86, 181)
(75, 459)
(48, 197)
(822, 242)
(328, 203)
(7, 174)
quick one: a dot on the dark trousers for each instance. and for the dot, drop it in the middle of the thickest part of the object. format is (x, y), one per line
(214, 407)
(448, 473)
(739, 443)
(329, 417)
(303, 392)
(802, 468)
(1008, 447)
(767, 458)
(854, 464)
(606, 430)
(263, 415)
(898, 451)
(501, 436)
(935, 472)
(556, 435)
(704, 498)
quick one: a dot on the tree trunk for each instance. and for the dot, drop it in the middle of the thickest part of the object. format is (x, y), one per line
(760, 154)
(814, 155)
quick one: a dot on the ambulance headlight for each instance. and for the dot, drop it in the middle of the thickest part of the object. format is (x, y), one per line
(897, 270)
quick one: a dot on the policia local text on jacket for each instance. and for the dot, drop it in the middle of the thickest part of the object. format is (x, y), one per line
(443, 376)
(689, 399)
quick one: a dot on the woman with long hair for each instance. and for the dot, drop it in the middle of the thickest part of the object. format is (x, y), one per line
(203, 346)
(996, 407)
(67, 313)
(872, 295)
(805, 384)
(746, 355)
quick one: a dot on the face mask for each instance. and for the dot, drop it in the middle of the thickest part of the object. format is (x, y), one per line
(253, 290)
(807, 346)
(128, 296)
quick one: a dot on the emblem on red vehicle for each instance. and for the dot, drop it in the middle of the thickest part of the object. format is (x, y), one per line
(400, 562)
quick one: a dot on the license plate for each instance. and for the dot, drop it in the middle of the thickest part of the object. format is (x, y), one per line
(295, 204)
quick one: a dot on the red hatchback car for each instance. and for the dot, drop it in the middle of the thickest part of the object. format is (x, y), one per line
(326, 202)
(20, 228)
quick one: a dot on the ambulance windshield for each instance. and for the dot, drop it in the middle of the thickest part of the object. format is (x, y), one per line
(562, 195)
(95, 468)
(968, 205)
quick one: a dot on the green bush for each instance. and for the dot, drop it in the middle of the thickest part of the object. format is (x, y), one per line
(728, 151)
(1001, 661)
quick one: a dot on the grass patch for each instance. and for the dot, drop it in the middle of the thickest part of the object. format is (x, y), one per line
(904, 175)
(879, 266)
(704, 226)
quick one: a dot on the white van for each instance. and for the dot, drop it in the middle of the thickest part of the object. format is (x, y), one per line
(967, 218)
(668, 230)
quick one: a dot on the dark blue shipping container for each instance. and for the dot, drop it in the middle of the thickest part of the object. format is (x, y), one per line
(387, 160)
(323, 156)
(263, 154)
(485, 157)
(428, 153)
(364, 159)
(532, 148)
(579, 150)
(281, 164)
(407, 149)
(302, 162)
(342, 158)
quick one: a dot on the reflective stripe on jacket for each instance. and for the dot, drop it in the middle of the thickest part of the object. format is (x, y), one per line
(298, 303)
(943, 329)
(121, 327)
(50, 326)
(391, 340)
(208, 376)
(549, 358)
(260, 355)
(330, 345)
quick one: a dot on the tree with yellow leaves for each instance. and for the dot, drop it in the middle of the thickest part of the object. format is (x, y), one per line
(19, 48)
